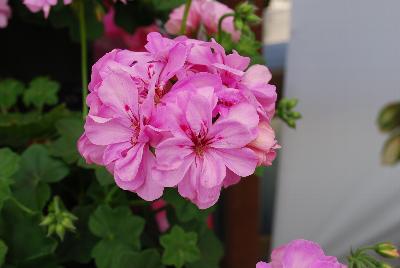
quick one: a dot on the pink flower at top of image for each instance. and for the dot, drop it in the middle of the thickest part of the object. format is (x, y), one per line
(43, 5)
(116, 37)
(300, 254)
(182, 114)
(5, 13)
(202, 12)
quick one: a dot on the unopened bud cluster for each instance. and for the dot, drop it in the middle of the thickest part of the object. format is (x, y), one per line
(286, 113)
(58, 220)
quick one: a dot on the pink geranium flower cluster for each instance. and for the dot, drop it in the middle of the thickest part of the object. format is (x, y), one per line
(181, 114)
(204, 13)
(43, 5)
(300, 254)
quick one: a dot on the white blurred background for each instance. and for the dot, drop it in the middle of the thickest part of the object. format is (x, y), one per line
(341, 59)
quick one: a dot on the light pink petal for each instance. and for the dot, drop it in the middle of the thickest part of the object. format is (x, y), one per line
(171, 152)
(150, 189)
(207, 197)
(262, 264)
(256, 75)
(301, 254)
(115, 151)
(242, 161)
(171, 177)
(91, 152)
(198, 114)
(120, 93)
(126, 168)
(110, 132)
(176, 59)
(229, 134)
(230, 178)
(236, 61)
(245, 114)
(213, 170)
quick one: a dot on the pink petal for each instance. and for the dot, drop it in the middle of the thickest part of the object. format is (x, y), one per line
(230, 178)
(126, 168)
(176, 59)
(115, 151)
(213, 170)
(198, 114)
(229, 134)
(120, 93)
(110, 132)
(91, 152)
(242, 161)
(171, 152)
(171, 177)
(262, 264)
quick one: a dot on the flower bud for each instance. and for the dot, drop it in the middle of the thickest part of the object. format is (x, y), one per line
(265, 144)
(391, 150)
(60, 231)
(389, 117)
(47, 220)
(387, 250)
(384, 265)
(245, 9)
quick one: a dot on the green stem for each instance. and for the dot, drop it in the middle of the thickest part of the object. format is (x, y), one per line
(185, 16)
(110, 195)
(219, 33)
(23, 207)
(83, 38)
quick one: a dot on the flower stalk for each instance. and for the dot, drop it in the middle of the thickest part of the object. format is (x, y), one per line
(83, 39)
(219, 33)
(185, 16)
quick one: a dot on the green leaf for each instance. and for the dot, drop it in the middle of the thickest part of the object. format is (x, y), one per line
(107, 251)
(37, 169)
(38, 166)
(211, 251)
(184, 210)
(134, 14)
(3, 252)
(65, 146)
(180, 247)
(103, 176)
(5, 191)
(260, 171)
(20, 130)
(117, 224)
(25, 239)
(149, 258)
(10, 89)
(9, 162)
(41, 91)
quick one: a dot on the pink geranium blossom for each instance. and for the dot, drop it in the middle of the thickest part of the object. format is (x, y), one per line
(5, 13)
(181, 114)
(300, 254)
(202, 12)
(45, 5)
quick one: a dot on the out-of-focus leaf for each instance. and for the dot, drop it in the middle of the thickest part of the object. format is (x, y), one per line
(19, 130)
(103, 176)
(37, 165)
(5, 191)
(134, 14)
(25, 239)
(180, 247)
(149, 258)
(3, 252)
(9, 162)
(211, 251)
(117, 224)
(41, 91)
(66, 145)
(10, 89)
(185, 210)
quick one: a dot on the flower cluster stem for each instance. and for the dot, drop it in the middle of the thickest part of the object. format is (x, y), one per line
(83, 39)
(185, 16)
(219, 33)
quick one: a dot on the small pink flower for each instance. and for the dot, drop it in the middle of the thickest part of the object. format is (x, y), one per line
(45, 5)
(202, 12)
(265, 144)
(161, 216)
(301, 254)
(5, 13)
